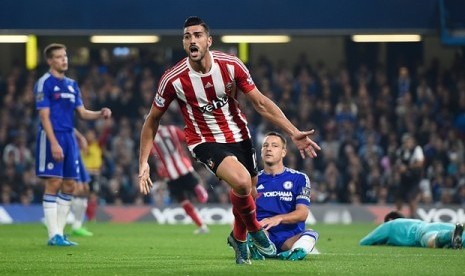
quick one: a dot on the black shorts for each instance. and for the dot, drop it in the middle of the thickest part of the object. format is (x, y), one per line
(409, 188)
(183, 186)
(212, 154)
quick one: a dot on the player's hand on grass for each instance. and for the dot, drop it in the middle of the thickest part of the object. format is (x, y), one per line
(145, 183)
(306, 146)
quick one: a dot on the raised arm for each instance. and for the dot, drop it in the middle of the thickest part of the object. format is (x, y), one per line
(270, 111)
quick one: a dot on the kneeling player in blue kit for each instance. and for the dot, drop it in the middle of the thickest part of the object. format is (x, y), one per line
(399, 231)
(283, 200)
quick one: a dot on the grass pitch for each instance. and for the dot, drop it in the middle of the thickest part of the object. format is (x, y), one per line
(152, 249)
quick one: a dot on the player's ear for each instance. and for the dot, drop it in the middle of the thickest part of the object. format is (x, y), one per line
(284, 152)
(210, 41)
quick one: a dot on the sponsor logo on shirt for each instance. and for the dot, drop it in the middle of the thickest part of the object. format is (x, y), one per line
(260, 187)
(216, 104)
(69, 96)
(208, 85)
(56, 88)
(283, 195)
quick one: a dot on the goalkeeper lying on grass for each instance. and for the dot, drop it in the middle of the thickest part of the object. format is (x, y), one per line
(399, 231)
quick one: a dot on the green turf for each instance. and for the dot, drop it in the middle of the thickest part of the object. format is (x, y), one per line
(152, 249)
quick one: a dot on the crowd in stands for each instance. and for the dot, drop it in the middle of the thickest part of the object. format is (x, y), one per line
(359, 115)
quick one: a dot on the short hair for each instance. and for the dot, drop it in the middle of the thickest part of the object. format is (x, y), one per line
(194, 21)
(48, 52)
(274, 133)
(392, 216)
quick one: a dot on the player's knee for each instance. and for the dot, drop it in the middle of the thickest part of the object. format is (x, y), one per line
(311, 233)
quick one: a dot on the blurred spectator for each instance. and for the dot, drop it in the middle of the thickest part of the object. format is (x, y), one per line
(409, 164)
(359, 115)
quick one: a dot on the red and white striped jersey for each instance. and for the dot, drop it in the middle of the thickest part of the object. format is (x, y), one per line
(172, 159)
(208, 102)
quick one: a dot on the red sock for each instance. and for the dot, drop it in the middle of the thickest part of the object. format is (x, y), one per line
(201, 193)
(190, 210)
(239, 229)
(91, 209)
(245, 206)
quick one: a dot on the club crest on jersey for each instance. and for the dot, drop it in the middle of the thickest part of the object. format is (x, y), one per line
(71, 89)
(288, 185)
(229, 87)
(216, 104)
(159, 100)
(210, 163)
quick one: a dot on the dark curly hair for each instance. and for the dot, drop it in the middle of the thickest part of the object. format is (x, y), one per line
(392, 216)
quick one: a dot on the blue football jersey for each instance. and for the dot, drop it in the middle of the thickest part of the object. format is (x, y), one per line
(279, 194)
(62, 96)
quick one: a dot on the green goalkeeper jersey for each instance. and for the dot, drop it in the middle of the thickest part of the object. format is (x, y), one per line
(406, 232)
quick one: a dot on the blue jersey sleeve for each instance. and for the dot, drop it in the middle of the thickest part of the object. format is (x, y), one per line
(42, 92)
(303, 192)
(78, 101)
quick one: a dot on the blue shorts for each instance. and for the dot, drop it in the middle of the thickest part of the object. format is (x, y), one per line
(279, 238)
(47, 166)
(84, 176)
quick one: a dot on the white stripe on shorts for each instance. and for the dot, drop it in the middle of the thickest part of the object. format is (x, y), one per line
(42, 150)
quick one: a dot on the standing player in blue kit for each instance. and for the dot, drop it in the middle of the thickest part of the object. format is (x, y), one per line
(57, 97)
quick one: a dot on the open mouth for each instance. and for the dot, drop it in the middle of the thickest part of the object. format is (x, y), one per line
(193, 49)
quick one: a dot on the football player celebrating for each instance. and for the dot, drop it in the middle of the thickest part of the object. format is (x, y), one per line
(206, 85)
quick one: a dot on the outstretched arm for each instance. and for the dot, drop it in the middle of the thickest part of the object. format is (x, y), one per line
(87, 114)
(378, 236)
(270, 111)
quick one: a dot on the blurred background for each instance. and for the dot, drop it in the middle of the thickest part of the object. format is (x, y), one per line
(363, 74)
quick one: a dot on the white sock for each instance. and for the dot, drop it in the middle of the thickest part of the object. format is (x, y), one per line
(50, 214)
(306, 242)
(63, 207)
(79, 205)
